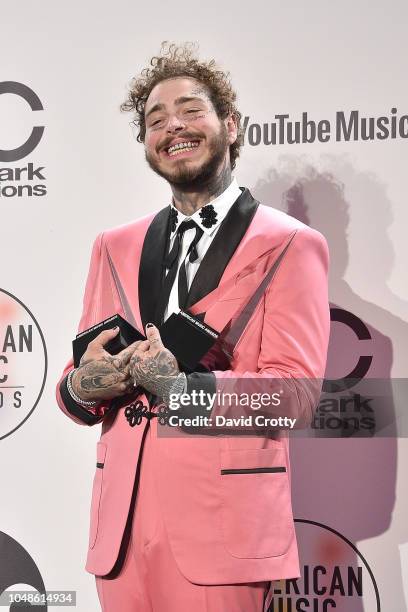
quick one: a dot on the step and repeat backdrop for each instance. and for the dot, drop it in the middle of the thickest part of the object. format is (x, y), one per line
(324, 97)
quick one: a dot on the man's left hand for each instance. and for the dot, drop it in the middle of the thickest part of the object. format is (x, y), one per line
(152, 366)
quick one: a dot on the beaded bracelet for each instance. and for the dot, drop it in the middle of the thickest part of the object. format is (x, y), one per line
(81, 402)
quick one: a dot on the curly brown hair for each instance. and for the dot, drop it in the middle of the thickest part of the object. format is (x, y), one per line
(175, 61)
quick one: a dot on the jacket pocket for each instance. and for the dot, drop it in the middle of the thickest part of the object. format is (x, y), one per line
(101, 449)
(256, 514)
(257, 470)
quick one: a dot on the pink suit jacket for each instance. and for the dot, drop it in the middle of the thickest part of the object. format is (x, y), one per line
(223, 528)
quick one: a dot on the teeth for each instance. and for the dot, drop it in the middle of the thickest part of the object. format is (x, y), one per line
(181, 146)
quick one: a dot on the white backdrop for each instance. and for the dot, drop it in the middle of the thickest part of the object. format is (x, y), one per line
(290, 57)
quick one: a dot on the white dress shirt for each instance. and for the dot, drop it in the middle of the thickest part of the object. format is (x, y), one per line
(221, 205)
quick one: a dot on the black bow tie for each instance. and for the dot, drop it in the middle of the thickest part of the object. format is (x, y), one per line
(207, 214)
(171, 263)
(173, 255)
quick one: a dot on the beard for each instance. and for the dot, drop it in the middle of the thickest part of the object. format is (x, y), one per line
(188, 178)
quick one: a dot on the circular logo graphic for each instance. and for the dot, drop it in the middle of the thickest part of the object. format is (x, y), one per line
(19, 573)
(23, 363)
(334, 575)
(27, 147)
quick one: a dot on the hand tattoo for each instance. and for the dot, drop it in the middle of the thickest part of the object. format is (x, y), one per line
(96, 375)
(156, 373)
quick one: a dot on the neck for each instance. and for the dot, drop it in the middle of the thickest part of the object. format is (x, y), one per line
(189, 198)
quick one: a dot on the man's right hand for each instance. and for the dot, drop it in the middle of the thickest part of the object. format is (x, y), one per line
(100, 375)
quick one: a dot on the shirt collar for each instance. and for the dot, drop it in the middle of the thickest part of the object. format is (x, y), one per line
(221, 204)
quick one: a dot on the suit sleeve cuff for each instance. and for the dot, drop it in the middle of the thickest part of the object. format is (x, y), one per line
(201, 382)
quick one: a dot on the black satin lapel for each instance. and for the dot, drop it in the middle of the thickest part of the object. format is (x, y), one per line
(151, 269)
(222, 248)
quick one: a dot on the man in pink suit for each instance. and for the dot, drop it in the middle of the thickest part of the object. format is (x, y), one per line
(203, 522)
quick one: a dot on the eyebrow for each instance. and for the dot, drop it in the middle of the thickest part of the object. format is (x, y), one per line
(177, 101)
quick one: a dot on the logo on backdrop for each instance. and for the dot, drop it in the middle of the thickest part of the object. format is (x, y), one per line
(334, 575)
(341, 408)
(344, 127)
(18, 570)
(28, 179)
(23, 363)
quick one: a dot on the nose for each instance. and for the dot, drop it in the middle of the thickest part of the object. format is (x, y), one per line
(175, 124)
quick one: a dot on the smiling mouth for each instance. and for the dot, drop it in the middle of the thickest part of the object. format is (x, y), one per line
(182, 147)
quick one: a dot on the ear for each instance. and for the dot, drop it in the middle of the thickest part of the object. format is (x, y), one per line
(232, 128)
